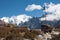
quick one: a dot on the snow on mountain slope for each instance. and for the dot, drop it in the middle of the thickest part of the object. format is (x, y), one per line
(16, 19)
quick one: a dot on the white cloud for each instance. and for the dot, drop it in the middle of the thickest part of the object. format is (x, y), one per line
(16, 19)
(54, 9)
(33, 7)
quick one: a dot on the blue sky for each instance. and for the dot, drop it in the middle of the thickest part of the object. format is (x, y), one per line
(9, 8)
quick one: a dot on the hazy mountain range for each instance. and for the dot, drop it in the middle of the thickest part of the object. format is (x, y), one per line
(31, 22)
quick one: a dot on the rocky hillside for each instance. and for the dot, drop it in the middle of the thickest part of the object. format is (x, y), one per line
(13, 32)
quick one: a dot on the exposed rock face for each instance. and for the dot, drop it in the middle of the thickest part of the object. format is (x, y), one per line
(50, 33)
(46, 28)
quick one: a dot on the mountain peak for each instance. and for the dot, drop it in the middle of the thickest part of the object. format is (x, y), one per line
(16, 19)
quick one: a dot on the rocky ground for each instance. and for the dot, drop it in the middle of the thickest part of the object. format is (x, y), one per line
(11, 32)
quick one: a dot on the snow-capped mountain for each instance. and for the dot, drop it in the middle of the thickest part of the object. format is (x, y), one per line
(16, 19)
(23, 20)
(31, 22)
